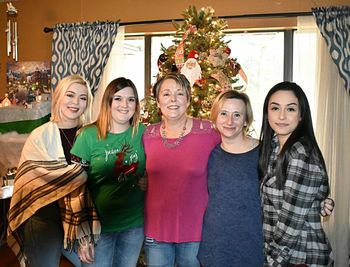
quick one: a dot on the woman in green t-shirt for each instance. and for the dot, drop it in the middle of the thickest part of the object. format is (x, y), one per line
(111, 150)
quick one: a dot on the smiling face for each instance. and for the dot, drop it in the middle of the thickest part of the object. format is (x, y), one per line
(123, 108)
(73, 105)
(172, 100)
(231, 118)
(283, 114)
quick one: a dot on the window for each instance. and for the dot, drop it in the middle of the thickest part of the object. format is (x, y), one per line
(304, 65)
(127, 59)
(261, 58)
(261, 55)
(134, 63)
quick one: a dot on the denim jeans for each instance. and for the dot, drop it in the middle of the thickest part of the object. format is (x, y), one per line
(42, 236)
(72, 257)
(164, 254)
(118, 249)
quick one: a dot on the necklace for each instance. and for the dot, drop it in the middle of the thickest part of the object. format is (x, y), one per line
(71, 133)
(177, 141)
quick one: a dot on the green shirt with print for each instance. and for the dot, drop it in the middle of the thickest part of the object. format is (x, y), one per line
(115, 166)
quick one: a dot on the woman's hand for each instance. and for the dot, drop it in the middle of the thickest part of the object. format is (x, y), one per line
(327, 207)
(142, 183)
(86, 253)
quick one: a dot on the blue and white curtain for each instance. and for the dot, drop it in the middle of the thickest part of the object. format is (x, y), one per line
(82, 48)
(334, 25)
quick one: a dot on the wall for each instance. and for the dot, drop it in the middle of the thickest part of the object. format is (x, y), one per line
(34, 15)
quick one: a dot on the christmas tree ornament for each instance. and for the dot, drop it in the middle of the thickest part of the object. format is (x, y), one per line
(227, 50)
(179, 55)
(191, 69)
(223, 80)
(6, 101)
(217, 57)
(162, 58)
(192, 29)
(235, 66)
(200, 82)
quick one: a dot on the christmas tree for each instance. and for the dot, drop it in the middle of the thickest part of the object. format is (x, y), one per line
(199, 53)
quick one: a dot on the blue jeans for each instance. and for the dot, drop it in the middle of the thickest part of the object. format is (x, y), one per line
(118, 249)
(164, 254)
(72, 257)
(42, 236)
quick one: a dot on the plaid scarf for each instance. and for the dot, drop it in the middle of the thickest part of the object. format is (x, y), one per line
(41, 182)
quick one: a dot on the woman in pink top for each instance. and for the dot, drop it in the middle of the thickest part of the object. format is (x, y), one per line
(177, 151)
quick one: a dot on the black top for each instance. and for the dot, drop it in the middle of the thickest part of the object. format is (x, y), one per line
(68, 139)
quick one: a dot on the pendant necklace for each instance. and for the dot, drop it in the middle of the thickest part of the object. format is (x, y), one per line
(177, 141)
(69, 142)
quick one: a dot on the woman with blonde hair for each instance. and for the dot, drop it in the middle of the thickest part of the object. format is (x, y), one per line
(49, 191)
(232, 228)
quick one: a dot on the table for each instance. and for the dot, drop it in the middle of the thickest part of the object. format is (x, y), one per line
(24, 120)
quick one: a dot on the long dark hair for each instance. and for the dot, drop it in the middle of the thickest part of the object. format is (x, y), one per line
(303, 133)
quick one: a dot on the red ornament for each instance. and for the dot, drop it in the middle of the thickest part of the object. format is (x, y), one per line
(227, 50)
(201, 82)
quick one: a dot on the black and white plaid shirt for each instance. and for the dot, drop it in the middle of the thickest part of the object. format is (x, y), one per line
(292, 225)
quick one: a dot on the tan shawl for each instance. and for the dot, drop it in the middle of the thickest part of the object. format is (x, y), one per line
(43, 177)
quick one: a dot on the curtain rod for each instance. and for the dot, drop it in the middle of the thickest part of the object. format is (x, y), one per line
(267, 15)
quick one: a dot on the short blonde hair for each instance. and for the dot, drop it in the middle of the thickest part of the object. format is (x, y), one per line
(60, 91)
(232, 94)
(104, 119)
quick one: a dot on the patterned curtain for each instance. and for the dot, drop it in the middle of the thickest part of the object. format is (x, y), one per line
(334, 24)
(82, 48)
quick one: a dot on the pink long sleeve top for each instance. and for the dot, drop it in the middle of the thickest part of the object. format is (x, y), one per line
(177, 192)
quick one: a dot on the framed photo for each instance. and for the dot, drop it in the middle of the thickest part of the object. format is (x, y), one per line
(28, 79)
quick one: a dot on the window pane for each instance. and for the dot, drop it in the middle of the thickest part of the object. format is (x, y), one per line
(304, 65)
(127, 59)
(134, 59)
(261, 57)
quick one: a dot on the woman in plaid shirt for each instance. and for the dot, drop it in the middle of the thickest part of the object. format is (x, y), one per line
(294, 182)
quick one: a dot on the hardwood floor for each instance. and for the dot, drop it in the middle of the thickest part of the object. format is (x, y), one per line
(8, 259)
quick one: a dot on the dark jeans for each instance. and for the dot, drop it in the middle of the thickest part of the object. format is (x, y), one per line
(42, 236)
